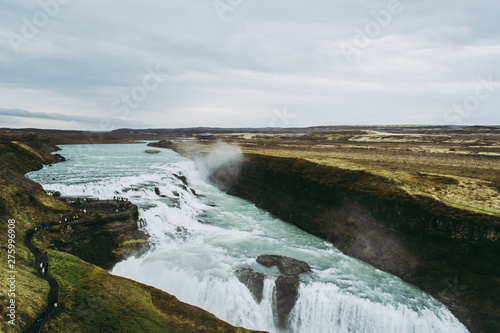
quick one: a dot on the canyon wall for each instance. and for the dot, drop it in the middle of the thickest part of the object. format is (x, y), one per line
(450, 253)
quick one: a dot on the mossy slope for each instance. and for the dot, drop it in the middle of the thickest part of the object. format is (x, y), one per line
(92, 300)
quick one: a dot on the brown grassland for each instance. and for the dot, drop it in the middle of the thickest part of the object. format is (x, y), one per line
(460, 167)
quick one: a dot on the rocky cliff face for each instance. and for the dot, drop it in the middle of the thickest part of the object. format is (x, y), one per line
(99, 238)
(162, 144)
(22, 153)
(447, 252)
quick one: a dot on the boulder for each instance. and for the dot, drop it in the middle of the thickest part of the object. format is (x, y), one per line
(286, 265)
(287, 290)
(286, 285)
(183, 179)
(253, 280)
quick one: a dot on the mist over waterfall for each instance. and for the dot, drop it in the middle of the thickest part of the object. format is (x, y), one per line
(224, 160)
(201, 237)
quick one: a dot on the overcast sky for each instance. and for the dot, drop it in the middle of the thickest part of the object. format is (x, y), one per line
(99, 65)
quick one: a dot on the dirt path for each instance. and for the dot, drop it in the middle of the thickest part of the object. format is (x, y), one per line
(42, 266)
(42, 259)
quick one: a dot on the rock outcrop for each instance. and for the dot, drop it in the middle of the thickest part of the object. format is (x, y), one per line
(286, 285)
(162, 144)
(103, 237)
(253, 280)
(24, 152)
(157, 191)
(152, 152)
(286, 265)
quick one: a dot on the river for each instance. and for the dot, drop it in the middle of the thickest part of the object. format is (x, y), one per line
(199, 240)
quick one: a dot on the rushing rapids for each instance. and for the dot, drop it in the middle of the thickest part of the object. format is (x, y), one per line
(201, 238)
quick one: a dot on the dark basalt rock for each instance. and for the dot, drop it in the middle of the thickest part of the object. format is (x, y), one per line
(287, 290)
(161, 144)
(287, 284)
(253, 280)
(59, 157)
(205, 222)
(183, 179)
(286, 265)
(196, 194)
(181, 232)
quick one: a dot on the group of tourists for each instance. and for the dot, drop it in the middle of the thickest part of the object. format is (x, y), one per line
(72, 217)
(82, 200)
(122, 204)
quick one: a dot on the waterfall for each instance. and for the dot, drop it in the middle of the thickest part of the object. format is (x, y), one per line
(201, 237)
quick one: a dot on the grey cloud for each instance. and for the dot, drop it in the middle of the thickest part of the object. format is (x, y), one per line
(264, 54)
(69, 118)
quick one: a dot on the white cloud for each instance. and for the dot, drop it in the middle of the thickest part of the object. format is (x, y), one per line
(264, 55)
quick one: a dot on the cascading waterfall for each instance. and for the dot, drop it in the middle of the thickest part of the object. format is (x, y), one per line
(201, 236)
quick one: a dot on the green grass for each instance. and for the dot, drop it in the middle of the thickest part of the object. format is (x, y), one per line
(92, 300)
(28, 208)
